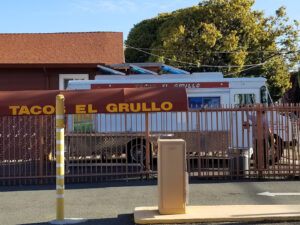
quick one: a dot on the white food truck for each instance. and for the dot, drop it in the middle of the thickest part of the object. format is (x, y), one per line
(209, 89)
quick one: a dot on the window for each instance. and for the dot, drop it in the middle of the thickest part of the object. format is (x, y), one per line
(200, 102)
(244, 99)
(65, 78)
(83, 123)
(263, 95)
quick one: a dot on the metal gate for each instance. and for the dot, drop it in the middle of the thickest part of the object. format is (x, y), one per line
(222, 143)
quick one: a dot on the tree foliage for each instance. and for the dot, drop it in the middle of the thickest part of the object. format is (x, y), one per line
(293, 94)
(220, 35)
(143, 35)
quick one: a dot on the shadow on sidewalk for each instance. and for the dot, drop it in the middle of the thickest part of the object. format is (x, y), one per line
(124, 219)
(79, 186)
(108, 184)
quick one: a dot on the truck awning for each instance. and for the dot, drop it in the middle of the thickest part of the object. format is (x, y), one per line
(114, 100)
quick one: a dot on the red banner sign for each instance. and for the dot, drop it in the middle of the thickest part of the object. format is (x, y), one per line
(115, 100)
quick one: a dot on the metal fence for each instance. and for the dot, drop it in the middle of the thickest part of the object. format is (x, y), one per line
(26, 142)
(226, 143)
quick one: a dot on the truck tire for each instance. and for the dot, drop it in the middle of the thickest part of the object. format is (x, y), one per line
(278, 144)
(136, 151)
(278, 147)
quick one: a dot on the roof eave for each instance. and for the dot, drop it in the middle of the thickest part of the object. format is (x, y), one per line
(49, 65)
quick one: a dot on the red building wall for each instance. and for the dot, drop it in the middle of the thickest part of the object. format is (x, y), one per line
(21, 79)
(37, 78)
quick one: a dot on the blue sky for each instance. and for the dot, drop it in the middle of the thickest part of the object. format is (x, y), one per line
(46, 16)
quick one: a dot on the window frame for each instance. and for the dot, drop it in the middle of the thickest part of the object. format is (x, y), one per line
(63, 77)
(204, 97)
(245, 98)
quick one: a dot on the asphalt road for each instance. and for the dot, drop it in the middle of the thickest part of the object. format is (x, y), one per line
(113, 203)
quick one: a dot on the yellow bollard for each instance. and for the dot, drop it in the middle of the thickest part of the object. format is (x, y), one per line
(60, 165)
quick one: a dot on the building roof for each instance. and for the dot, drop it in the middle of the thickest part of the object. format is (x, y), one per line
(62, 48)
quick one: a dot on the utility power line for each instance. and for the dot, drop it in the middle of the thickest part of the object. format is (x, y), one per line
(218, 52)
(194, 64)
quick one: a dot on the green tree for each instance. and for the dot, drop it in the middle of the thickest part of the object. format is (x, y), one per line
(293, 94)
(143, 35)
(221, 35)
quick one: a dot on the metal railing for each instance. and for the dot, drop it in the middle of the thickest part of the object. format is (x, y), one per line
(225, 143)
(27, 149)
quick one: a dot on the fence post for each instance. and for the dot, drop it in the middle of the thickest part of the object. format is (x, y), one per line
(147, 145)
(41, 147)
(60, 166)
(260, 144)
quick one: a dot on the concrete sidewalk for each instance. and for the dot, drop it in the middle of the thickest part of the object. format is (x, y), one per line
(113, 203)
(220, 213)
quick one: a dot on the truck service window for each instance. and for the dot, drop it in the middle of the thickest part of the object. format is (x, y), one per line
(200, 102)
(244, 99)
